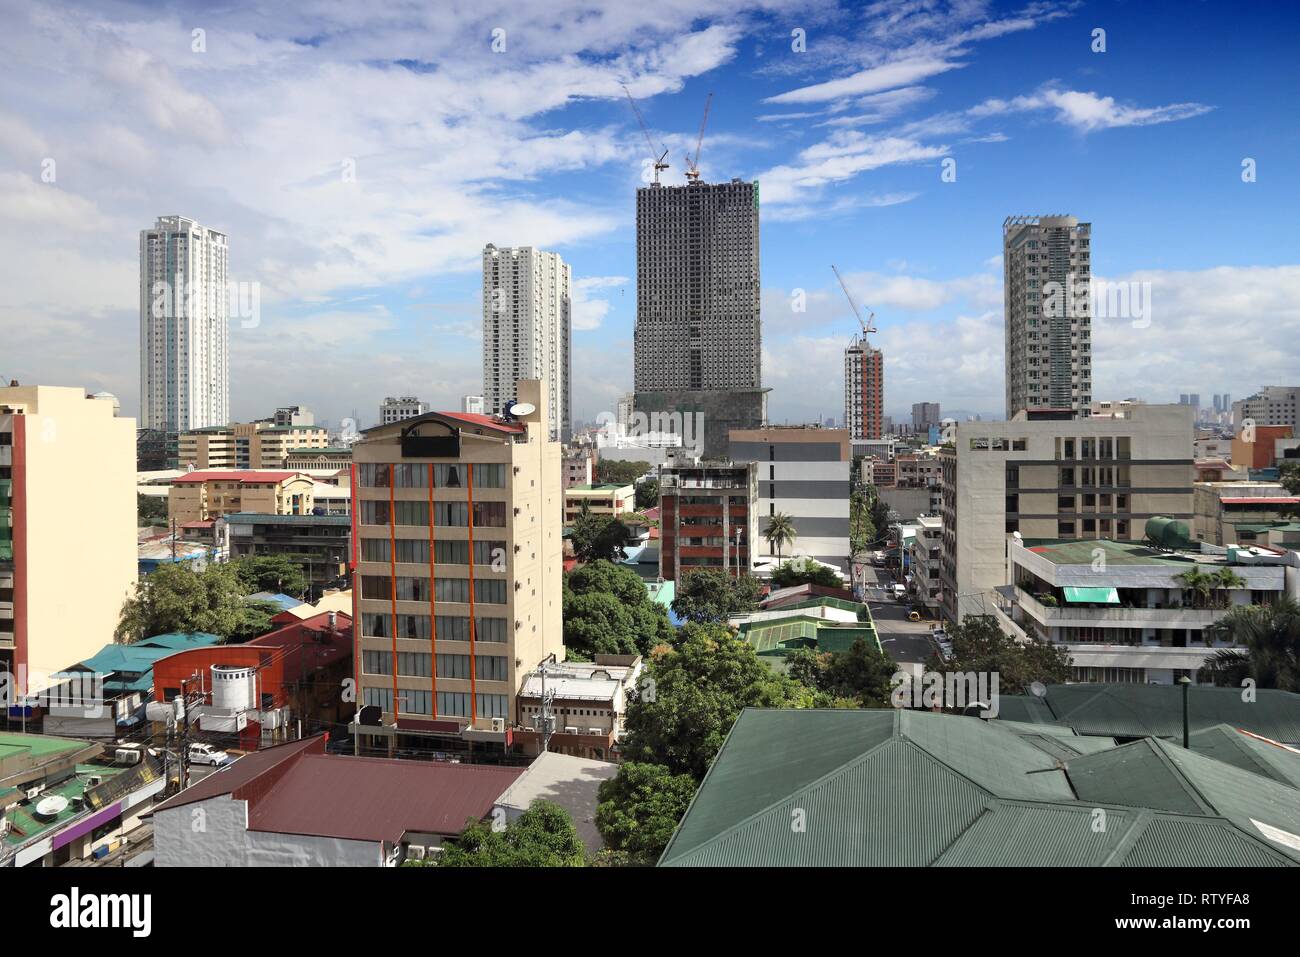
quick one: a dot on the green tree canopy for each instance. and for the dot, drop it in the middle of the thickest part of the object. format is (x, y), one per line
(607, 611)
(543, 836)
(711, 594)
(282, 574)
(1269, 636)
(861, 674)
(640, 807)
(150, 510)
(800, 572)
(979, 645)
(596, 537)
(690, 695)
(624, 473)
(177, 599)
(647, 494)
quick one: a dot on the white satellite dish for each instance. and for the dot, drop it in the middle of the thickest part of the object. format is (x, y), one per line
(521, 408)
(52, 806)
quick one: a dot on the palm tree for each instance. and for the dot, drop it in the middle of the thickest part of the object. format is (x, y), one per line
(1268, 640)
(1199, 584)
(1224, 580)
(780, 532)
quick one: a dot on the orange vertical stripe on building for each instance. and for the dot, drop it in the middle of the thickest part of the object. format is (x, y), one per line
(473, 661)
(356, 591)
(433, 606)
(392, 576)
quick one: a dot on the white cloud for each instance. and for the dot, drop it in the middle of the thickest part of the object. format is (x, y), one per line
(838, 158)
(1087, 111)
(884, 77)
(587, 313)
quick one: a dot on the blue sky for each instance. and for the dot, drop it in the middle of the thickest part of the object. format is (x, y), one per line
(371, 287)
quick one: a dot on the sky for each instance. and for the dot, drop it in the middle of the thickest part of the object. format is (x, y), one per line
(359, 156)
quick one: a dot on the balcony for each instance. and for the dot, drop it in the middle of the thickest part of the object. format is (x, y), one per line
(1112, 615)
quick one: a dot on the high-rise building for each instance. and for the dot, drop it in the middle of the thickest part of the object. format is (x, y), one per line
(184, 326)
(864, 390)
(1049, 475)
(402, 407)
(1047, 291)
(698, 345)
(924, 415)
(527, 329)
(473, 403)
(60, 597)
(707, 518)
(458, 549)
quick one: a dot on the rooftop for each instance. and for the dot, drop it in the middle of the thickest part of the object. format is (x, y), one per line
(242, 476)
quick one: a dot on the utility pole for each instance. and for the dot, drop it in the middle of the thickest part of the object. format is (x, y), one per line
(173, 541)
(185, 735)
(547, 719)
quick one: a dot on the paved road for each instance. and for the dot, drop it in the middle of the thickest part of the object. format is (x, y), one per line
(903, 640)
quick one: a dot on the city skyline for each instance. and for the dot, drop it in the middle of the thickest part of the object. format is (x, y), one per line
(848, 142)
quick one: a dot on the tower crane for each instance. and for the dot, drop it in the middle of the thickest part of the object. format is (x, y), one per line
(868, 325)
(693, 165)
(659, 161)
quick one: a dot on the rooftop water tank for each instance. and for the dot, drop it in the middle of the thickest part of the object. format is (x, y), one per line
(233, 688)
(1168, 533)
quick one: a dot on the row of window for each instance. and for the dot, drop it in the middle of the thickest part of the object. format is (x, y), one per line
(416, 664)
(450, 703)
(491, 591)
(416, 551)
(415, 475)
(420, 627)
(450, 514)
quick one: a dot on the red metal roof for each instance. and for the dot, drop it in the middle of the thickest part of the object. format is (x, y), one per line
(233, 475)
(488, 421)
(296, 788)
(308, 644)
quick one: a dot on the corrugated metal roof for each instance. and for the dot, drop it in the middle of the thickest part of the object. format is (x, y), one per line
(1024, 834)
(1249, 752)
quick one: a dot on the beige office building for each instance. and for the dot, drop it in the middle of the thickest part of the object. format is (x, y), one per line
(67, 527)
(458, 568)
(201, 496)
(1050, 476)
(248, 445)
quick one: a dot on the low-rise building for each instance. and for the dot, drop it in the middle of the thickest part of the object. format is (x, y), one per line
(293, 805)
(1127, 612)
(707, 518)
(204, 495)
(1232, 513)
(328, 459)
(395, 409)
(609, 499)
(1256, 447)
(822, 624)
(587, 706)
(579, 467)
(319, 542)
(926, 582)
(247, 445)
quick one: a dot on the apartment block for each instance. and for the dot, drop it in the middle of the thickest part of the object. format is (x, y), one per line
(1271, 405)
(527, 330)
(803, 472)
(458, 545)
(1241, 512)
(708, 518)
(1051, 475)
(204, 495)
(579, 467)
(1047, 275)
(925, 415)
(184, 326)
(248, 445)
(395, 409)
(926, 584)
(864, 390)
(1121, 610)
(609, 499)
(60, 595)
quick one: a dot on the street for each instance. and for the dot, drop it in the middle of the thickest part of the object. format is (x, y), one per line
(904, 641)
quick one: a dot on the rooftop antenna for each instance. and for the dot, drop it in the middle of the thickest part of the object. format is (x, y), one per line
(659, 162)
(868, 324)
(693, 165)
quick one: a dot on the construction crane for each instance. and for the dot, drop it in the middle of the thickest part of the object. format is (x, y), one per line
(659, 162)
(868, 326)
(693, 165)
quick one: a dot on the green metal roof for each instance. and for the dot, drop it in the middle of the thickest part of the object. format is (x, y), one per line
(1248, 752)
(40, 745)
(1140, 710)
(910, 788)
(1116, 553)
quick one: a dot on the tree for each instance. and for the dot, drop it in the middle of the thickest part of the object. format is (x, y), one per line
(543, 836)
(624, 473)
(274, 573)
(862, 530)
(979, 645)
(710, 594)
(1269, 636)
(640, 807)
(647, 494)
(862, 674)
(177, 599)
(1289, 476)
(780, 532)
(597, 537)
(798, 572)
(607, 611)
(690, 695)
(1199, 584)
(150, 510)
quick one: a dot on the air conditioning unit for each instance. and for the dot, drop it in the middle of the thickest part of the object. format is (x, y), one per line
(499, 725)
(33, 791)
(414, 852)
(570, 730)
(595, 731)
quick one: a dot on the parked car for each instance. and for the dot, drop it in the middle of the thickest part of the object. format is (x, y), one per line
(206, 754)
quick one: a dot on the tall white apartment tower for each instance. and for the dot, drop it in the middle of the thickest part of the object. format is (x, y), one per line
(184, 326)
(527, 329)
(1047, 276)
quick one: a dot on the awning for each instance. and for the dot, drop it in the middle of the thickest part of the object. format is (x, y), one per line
(1099, 596)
